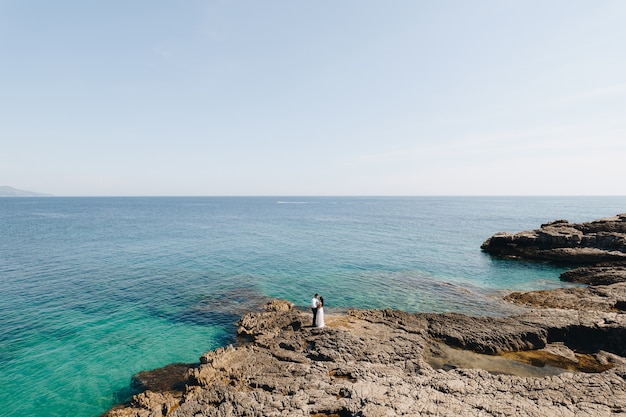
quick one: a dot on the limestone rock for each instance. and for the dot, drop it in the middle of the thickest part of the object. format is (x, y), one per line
(602, 274)
(486, 334)
(595, 298)
(597, 248)
(372, 363)
(148, 404)
(594, 242)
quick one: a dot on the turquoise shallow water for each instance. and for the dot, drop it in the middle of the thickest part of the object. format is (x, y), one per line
(96, 289)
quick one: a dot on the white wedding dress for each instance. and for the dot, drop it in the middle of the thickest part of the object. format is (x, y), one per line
(319, 319)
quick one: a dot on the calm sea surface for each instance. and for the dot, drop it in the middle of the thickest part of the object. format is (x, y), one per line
(93, 290)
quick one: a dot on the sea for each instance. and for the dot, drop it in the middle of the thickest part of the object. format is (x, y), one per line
(94, 290)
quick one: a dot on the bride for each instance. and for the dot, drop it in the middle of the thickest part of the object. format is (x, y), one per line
(319, 320)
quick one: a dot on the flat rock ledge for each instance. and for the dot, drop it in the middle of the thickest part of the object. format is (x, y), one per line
(374, 363)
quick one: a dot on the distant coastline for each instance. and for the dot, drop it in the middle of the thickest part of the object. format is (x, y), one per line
(6, 191)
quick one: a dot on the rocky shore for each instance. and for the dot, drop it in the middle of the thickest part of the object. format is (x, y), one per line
(599, 247)
(564, 355)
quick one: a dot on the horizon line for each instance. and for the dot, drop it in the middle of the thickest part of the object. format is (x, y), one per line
(307, 195)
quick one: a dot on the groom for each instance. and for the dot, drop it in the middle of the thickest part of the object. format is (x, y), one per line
(315, 303)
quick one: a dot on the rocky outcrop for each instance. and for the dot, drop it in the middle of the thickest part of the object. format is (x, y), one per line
(596, 249)
(589, 243)
(601, 274)
(486, 334)
(375, 363)
(601, 298)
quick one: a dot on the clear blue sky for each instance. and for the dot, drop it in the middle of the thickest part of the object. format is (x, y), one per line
(190, 97)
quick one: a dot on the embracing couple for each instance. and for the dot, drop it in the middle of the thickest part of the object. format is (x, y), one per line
(317, 306)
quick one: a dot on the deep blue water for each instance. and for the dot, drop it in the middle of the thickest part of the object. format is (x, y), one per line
(94, 290)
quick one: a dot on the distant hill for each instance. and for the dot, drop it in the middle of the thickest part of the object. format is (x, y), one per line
(6, 191)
